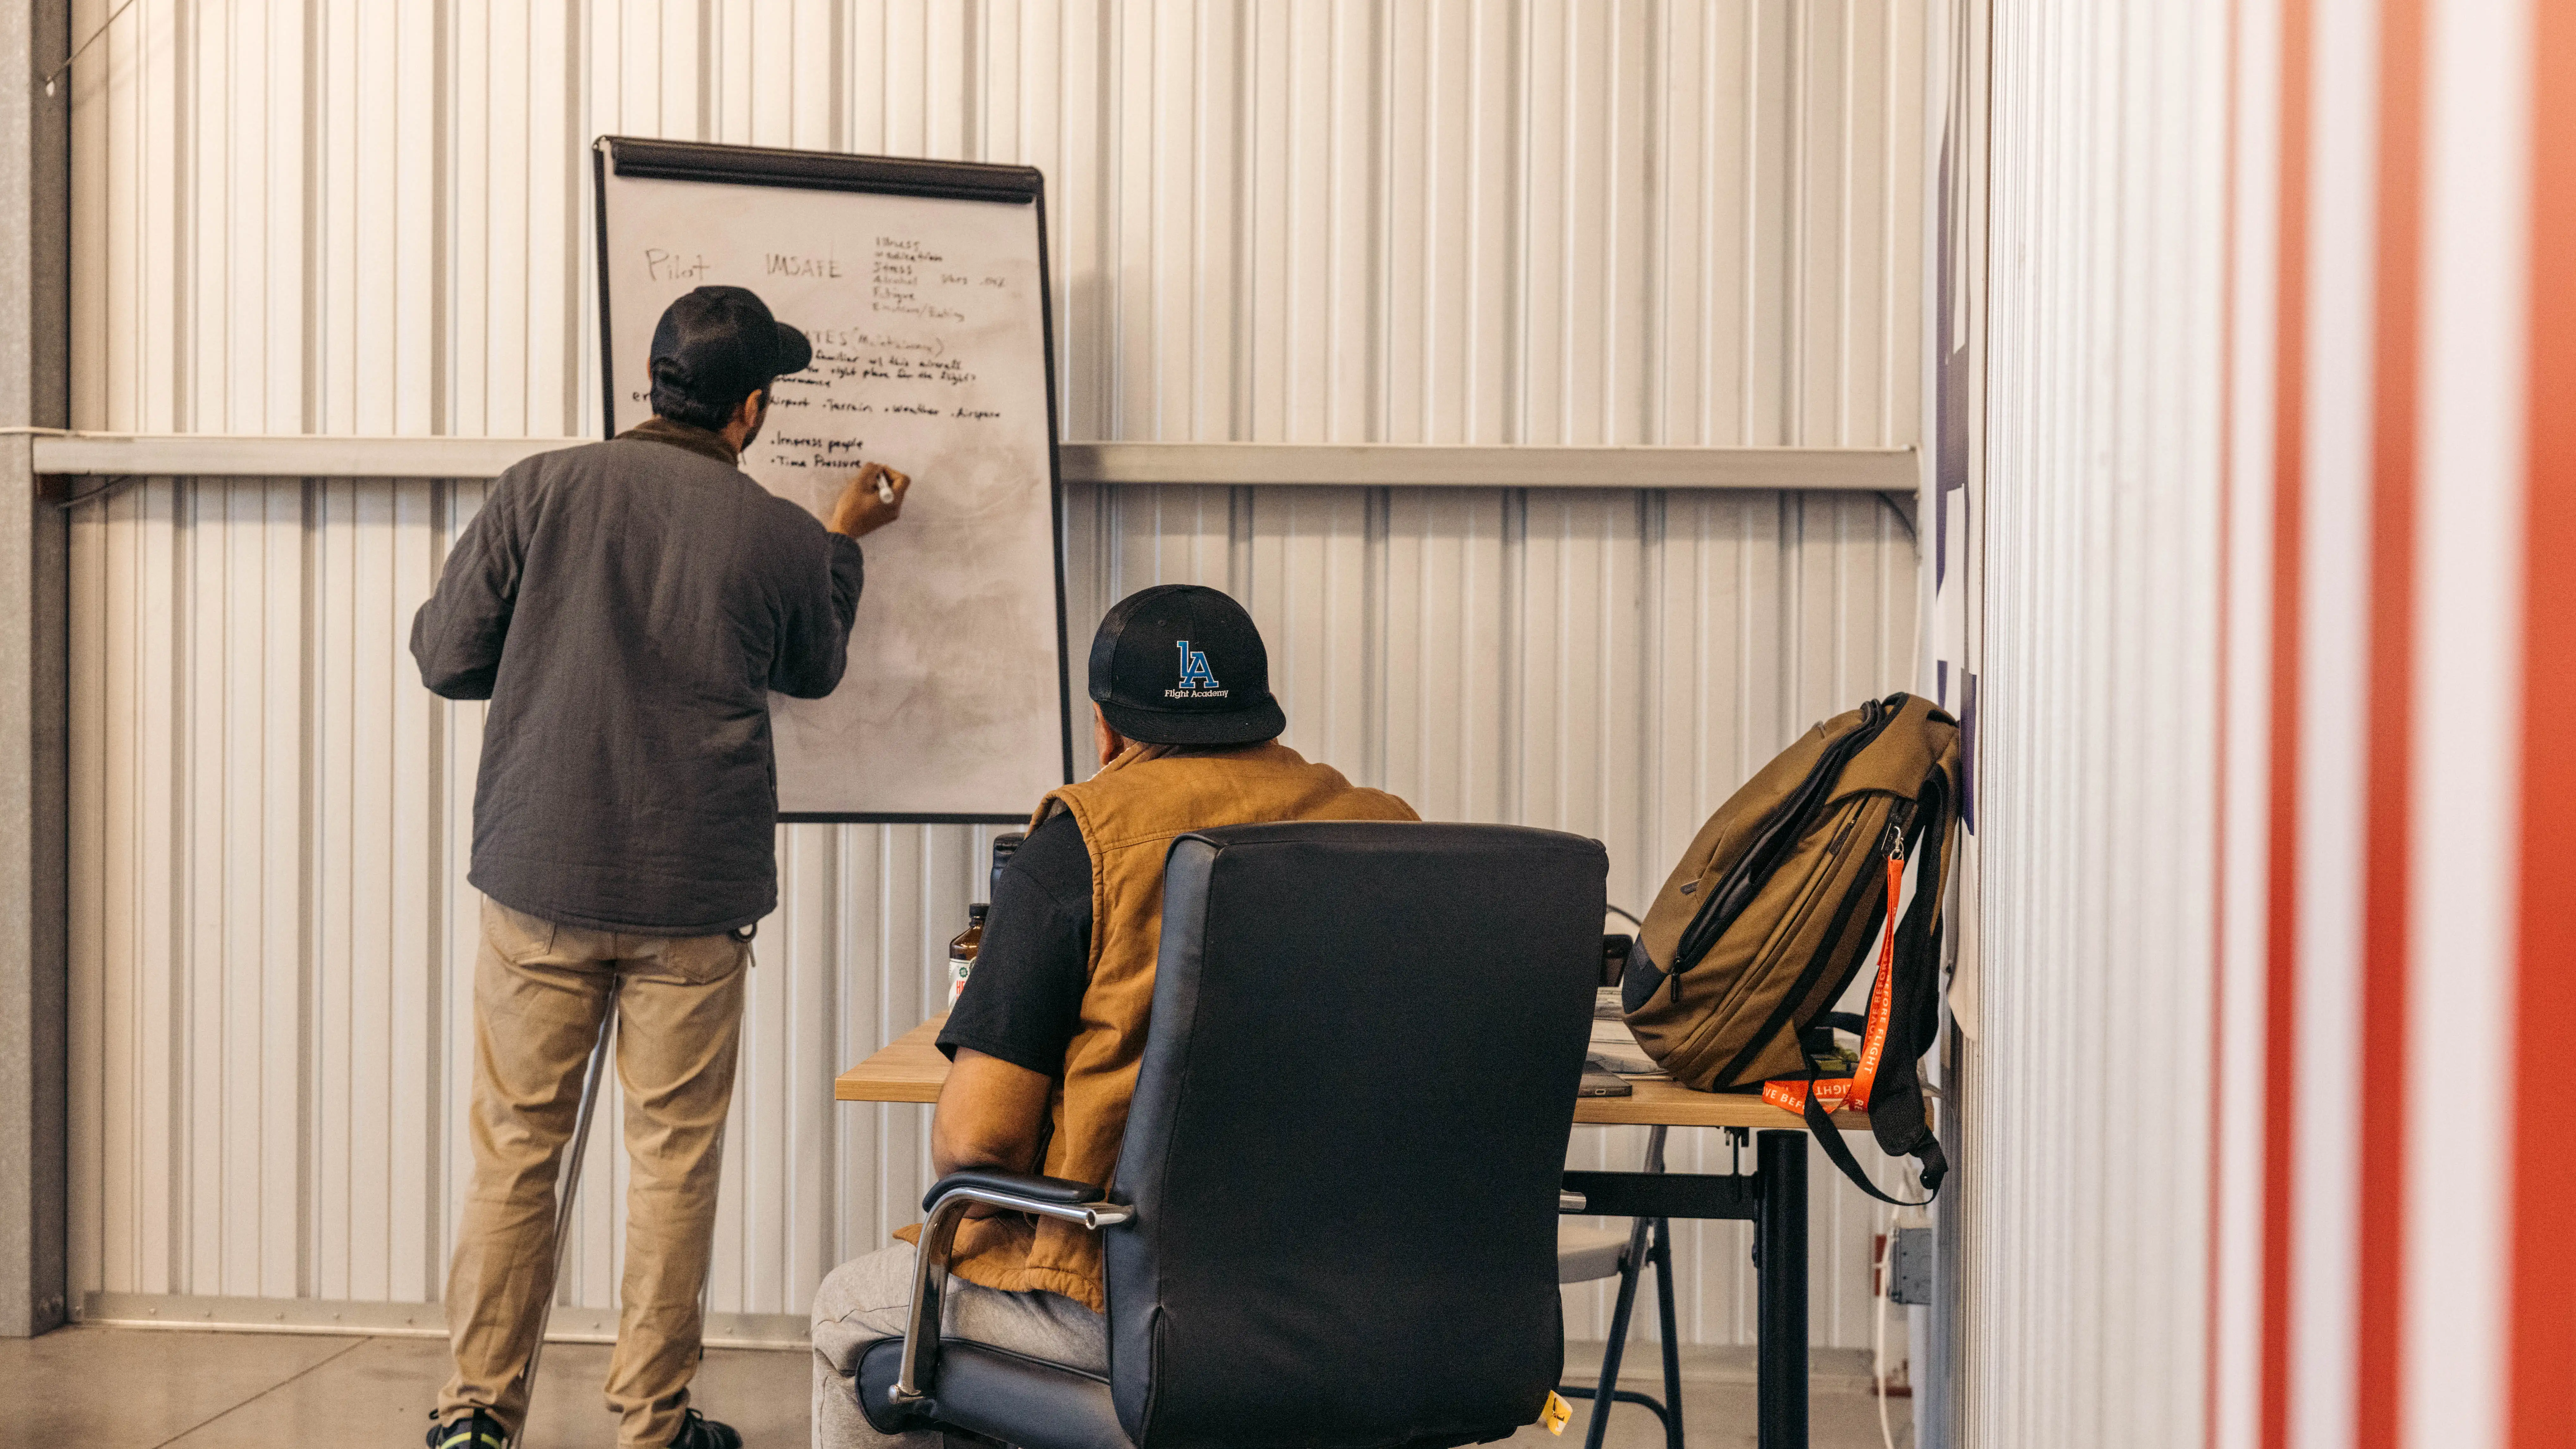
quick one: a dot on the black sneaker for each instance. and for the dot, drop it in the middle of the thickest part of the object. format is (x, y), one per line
(700, 1432)
(477, 1430)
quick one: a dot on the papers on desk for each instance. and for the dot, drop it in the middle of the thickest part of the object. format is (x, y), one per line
(1614, 1047)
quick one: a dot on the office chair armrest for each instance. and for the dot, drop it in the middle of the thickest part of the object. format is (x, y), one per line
(1027, 1192)
(1057, 1192)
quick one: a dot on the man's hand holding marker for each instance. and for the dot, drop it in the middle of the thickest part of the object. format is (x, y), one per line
(873, 499)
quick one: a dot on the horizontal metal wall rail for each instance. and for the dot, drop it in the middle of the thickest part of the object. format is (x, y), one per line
(1393, 465)
(570, 1324)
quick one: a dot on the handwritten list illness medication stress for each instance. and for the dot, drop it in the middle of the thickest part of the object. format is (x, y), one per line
(925, 315)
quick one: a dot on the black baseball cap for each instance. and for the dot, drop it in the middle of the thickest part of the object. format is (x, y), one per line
(1181, 664)
(721, 342)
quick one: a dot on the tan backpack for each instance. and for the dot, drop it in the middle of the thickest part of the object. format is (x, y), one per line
(1784, 894)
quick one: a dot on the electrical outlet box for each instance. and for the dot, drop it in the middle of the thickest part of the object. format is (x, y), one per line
(1909, 1267)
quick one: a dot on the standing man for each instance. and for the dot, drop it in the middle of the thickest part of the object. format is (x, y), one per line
(627, 607)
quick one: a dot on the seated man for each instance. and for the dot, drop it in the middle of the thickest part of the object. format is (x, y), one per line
(1046, 1037)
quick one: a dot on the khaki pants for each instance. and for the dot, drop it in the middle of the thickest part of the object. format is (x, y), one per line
(540, 991)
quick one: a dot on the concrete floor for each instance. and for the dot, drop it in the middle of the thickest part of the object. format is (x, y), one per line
(113, 1388)
(1717, 1401)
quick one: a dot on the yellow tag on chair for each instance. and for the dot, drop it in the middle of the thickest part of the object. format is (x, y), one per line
(1557, 1413)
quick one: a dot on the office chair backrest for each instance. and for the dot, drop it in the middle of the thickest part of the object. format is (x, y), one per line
(1347, 1135)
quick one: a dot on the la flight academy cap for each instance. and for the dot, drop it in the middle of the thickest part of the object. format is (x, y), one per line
(723, 342)
(1180, 664)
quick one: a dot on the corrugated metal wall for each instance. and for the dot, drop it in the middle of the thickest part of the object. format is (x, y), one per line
(2270, 1136)
(1544, 221)
(1335, 222)
(2085, 1151)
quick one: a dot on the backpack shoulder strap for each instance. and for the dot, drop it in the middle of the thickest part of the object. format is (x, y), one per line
(1821, 1127)
(1896, 1099)
(1897, 1117)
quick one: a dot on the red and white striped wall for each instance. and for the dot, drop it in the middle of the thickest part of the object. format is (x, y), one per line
(2273, 1144)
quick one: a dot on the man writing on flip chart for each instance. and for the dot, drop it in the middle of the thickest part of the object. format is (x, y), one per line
(1048, 1032)
(627, 607)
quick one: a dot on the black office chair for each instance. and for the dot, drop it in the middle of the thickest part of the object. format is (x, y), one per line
(1333, 1221)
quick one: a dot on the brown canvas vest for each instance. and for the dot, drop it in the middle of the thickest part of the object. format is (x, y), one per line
(1129, 813)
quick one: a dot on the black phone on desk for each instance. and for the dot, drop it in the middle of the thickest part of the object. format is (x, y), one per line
(1599, 1081)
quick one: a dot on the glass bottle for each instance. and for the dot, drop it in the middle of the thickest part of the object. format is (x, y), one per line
(961, 951)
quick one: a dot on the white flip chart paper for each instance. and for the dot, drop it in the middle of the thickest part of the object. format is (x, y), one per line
(923, 288)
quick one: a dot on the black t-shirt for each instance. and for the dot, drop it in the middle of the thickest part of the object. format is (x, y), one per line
(1024, 997)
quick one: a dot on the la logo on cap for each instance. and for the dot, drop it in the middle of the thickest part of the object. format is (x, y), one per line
(1196, 681)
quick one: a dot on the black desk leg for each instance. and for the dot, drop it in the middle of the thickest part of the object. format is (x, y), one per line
(1780, 1257)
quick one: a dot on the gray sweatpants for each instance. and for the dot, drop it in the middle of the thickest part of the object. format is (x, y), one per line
(865, 1300)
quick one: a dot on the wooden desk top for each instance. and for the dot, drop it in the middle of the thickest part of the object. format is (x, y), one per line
(911, 1069)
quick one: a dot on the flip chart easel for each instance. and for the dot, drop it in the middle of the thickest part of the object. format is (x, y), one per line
(923, 286)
